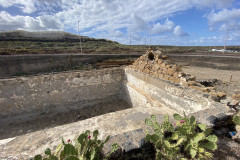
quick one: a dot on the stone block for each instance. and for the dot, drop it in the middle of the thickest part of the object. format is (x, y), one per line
(177, 80)
(195, 87)
(221, 94)
(166, 77)
(164, 57)
(214, 96)
(172, 79)
(168, 66)
(181, 74)
(236, 96)
(163, 65)
(192, 83)
(160, 61)
(175, 74)
(176, 68)
(183, 82)
(170, 71)
(205, 89)
(191, 78)
(211, 88)
(157, 66)
(160, 76)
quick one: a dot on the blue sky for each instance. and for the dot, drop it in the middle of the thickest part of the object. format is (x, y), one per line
(170, 22)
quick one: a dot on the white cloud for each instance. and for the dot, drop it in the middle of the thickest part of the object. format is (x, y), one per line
(179, 31)
(224, 19)
(213, 3)
(27, 6)
(224, 16)
(8, 22)
(118, 14)
(138, 24)
(117, 34)
(112, 18)
(30, 6)
(167, 26)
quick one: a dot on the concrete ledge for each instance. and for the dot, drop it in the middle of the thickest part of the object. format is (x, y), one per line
(26, 146)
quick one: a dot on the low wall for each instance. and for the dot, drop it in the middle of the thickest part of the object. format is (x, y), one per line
(147, 94)
(140, 89)
(24, 97)
(211, 61)
(31, 64)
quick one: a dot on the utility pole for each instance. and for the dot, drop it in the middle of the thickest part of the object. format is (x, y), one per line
(80, 41)
(130, 39)
(150, 36)
(226, 41)
(130, 46)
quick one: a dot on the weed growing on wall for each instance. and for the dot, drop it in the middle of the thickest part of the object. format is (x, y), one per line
(186, 139)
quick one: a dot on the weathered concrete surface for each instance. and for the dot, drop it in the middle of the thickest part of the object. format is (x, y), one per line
(166, 93)
(26, 146)
(50, 120)
(141, 89)
(145, 93)
(25, 97)
(32, 64)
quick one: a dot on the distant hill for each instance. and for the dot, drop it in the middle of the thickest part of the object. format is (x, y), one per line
(43, 36)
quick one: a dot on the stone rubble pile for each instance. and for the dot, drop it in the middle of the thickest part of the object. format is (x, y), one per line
(155, 63)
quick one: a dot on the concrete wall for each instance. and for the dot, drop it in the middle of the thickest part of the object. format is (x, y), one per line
(141, 89)
(211, 61)
(26, 96)
(33, 64)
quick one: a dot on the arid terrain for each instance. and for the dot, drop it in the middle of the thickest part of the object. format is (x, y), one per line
(227, 80)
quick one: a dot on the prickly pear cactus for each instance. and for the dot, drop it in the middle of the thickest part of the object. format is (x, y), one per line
(167, 144)
(86, 148)
(188, 140)
(236, 120)
(197, 138)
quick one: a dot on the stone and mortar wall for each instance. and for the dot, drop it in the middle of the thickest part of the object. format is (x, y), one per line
(156, 63)
(145, 90)
(25, 96)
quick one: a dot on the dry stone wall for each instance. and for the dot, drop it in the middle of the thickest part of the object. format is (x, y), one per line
(155, 63)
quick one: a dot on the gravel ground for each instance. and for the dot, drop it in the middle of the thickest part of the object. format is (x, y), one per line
(229, 80)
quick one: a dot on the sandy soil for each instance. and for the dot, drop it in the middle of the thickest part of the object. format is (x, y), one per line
(228, 80)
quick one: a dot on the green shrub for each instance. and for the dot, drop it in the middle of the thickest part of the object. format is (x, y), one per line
(188, 140)
(86, 148)
(236, 120)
